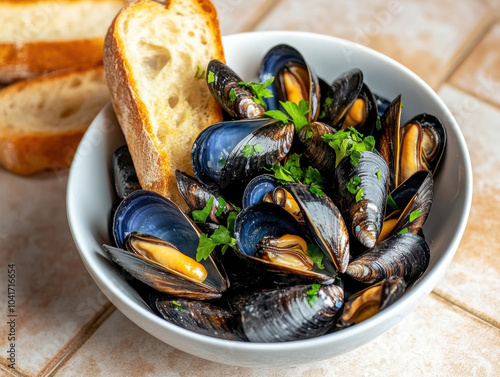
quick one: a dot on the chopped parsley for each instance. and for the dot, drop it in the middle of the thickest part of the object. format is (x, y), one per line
(391, 203)
(232, 96)
(296, 113)
(249, 150)
(210, 77)
(402, 104)
(259, 90)
(349, 143)
(316, 255)
(415, 214)
(312, 294)
(326, 107)
(201, 215)
(404, 230)
(222, 160)
(379, 174)
(220, 237)
(220, 209)
(309, 134)
(353, 187)
(199, 73)
(179, 307)
(293, 172)
(378, 124)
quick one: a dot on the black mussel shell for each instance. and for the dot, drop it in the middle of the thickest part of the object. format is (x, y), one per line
(387, 140)
(364, 217)
(325, 223)
(124, 174)
(257, 189)
(235, 99)
(284, 58)
(318, 153)
(291, 313)
(196, 195)
(201, 317)
(403, 255)
(363, 117)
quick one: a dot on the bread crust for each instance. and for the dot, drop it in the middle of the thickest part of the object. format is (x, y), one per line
(153, 166)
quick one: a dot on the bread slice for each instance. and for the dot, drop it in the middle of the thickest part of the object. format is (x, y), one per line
(37, 37)
(43, 119)
(152, 53)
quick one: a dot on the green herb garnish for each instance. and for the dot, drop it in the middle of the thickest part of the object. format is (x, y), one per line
(296, 114)
(249, 150)
(349, 143)
(353, 187)
(259, 90)
(309, 134)
(378, 124)
(232, 96)
(316, 255)
(404, 230)
(379, 174)
(201, 215)
(220, 209)
(391, 203)
(415, 214)
(326, 107)
(222, 161)
(179, 307)
(199, 73)
(221, 236)
(210, 77)
(312, 294)
(359, 194)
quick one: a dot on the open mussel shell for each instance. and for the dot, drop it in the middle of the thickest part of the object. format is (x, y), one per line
(414, 200)
(146, 212)
(370, 301)
(263, 219)
(289, 313)
(337, 102)
(363, 113)
(235, 99)
(423, 141)
(293, 79)
(257, 189)
(196, 195)
(364, 217)
(403, 255)
(218, 153)
(325, 223)
(202, 317)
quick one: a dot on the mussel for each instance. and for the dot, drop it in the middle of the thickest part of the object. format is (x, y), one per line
(291, 313)
(157, 245)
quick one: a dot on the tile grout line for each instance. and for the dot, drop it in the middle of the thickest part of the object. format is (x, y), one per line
(464, 51)
(67, 351)
(475, 313)
(472, 94)
(11, 372)
(256, 19)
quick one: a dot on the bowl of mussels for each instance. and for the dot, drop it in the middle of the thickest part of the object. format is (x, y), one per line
(325, 207)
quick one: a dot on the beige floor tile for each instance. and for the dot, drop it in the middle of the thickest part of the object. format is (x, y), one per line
(120, 348)
(240, 15)
(426, 36)
(55, 295)
(473, 279)
(479, 74)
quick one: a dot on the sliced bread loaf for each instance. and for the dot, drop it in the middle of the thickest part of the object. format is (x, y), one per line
(43, 119)
(153, 57)
(46, 35)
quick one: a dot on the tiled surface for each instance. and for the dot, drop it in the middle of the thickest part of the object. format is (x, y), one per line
(66, 327)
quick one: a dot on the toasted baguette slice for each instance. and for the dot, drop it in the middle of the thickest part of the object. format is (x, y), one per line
(151, 55)
(37, 37)
(43, 119)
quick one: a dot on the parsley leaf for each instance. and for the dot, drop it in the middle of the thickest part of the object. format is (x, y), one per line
(309, 134)
(359, 194)
(378, 124)
(404, 230)
(210, 77)
(312, 294)
(259, 90)
(349, 143)
(391, 203)
(314, 180)
(352, 185)
(379, 174)
(232, 96)
(221, 236)
(258, 148)
(201, 215)
(249, 150)
(179, 307)
(326, 107)
(415, 214)
(297, 113)
(222, 161)
(199, 73)
(220, 209)
(278, 115)
(316, 255)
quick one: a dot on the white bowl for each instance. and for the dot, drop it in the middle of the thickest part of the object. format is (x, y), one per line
(90, 195)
